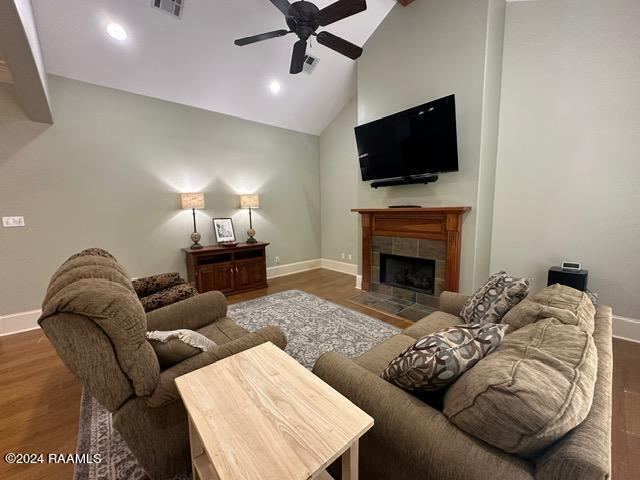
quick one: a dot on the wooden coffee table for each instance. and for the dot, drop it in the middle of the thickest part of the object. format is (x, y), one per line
(259, 414)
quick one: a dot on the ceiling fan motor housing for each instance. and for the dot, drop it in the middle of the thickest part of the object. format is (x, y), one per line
(303, 19)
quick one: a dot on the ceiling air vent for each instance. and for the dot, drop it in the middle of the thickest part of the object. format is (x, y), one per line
(309, 63)
(172, 7)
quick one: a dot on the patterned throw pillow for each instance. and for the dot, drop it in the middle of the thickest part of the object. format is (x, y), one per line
(492, 300)
(174, 346)
(437, 360)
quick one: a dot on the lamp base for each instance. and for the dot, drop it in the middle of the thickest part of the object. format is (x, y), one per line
(251, 233)
(195, 238)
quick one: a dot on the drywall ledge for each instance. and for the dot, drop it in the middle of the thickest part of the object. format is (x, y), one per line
(21, 51)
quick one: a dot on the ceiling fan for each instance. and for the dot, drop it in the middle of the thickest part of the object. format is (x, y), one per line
(303, 19)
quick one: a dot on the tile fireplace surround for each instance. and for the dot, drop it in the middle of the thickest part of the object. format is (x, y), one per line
(412, 233)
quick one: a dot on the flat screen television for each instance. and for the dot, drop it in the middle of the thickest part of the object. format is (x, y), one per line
(418, 141)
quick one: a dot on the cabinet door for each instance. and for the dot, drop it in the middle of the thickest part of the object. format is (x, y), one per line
(250, 274)
(215, 277)
(242, 275)
(259, 273)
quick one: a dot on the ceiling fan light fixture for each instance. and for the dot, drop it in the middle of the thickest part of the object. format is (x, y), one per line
(303, 19)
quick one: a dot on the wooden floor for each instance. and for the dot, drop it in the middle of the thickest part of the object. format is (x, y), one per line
(40, 400)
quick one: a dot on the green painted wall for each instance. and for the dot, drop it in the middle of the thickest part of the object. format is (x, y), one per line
(108, 174)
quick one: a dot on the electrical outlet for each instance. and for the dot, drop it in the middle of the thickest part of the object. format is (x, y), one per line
(349, 257)
(13, 221)
(343, 256)
(277, 260)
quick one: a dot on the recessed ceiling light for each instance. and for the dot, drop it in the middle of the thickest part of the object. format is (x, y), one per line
(275, 87)
(116, 31)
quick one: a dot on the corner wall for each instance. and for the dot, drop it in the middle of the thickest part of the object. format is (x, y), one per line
(339, 177)
(568, 165)
(108, 174)
(427, 50)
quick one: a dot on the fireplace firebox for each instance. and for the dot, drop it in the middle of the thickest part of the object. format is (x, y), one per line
(411, 273)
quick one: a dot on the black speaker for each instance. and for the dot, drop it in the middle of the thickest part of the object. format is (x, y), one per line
(572, 278)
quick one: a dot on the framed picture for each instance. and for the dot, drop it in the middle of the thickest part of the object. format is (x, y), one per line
(224, 230)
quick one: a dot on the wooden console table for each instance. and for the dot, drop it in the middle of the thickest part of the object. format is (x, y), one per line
(438, 223)
(228, 269)
(274, 420)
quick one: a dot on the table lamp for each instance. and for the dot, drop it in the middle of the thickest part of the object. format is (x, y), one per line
(250, 202)
(193, 201)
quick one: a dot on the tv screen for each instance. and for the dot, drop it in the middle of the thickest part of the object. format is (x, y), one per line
(418, 141)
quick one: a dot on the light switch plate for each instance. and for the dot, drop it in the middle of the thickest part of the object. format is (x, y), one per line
(13, 221)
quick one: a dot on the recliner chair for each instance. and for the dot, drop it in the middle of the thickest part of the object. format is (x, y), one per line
(95, 321)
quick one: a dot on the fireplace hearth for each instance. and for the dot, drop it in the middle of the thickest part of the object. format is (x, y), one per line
(411, 273)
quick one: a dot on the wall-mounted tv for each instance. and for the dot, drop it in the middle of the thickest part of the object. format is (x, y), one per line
(418, 141)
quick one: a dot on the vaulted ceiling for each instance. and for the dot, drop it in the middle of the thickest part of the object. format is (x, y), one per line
(193, 61)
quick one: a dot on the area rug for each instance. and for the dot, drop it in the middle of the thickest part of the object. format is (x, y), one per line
(312, 326)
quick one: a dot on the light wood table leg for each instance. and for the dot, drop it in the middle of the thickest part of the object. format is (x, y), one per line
(350, 463)
(196, 448)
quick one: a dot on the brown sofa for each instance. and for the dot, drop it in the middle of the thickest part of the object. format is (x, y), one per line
(96, 323)
(413, 441)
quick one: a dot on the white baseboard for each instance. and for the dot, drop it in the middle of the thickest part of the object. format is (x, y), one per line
(626, 328)
(291, 268)
(19, 322)
(342, 267)
(359, 282)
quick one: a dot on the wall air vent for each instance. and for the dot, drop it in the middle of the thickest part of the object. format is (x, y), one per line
(309, 63)
(172, 7)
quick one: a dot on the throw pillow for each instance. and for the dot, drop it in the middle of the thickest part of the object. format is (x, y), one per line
(534, 389)
(437, 360)
(155, 283)
(570, 306)
(174, 346)
(495, 298)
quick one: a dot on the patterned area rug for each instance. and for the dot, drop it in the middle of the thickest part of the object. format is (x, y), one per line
(312, 326)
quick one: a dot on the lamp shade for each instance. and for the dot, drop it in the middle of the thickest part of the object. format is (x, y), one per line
(249, 201)
(192, 200)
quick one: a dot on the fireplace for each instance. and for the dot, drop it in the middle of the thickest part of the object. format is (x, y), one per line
(411, 273)
(431, 237)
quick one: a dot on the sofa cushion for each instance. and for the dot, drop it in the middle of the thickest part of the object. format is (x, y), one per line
(431, 323)
(223, 330)
(174, 346)
(529, 393)
(567, 298)
(437, 360)
(376, 359)
(570, 306)
(495, 298)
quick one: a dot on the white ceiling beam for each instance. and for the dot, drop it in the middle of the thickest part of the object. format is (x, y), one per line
(21, 52)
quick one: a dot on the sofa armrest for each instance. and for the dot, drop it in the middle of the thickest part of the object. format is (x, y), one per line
(166, 390)
(451, 302)
(191, 313)
(409, 438)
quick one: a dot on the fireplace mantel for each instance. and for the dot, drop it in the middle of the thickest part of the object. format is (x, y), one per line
(437, 223)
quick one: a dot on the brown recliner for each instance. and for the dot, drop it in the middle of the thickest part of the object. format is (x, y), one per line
(95, 321)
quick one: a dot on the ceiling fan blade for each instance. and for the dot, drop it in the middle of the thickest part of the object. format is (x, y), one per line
(297, 59)
(258, 38)
(341, 9)
(340, 45)
(282, 5)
